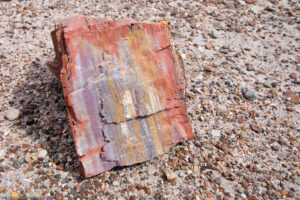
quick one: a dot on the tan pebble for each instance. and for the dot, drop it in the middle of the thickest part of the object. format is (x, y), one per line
(195, 167)
(17, 122)
(170, 175)
(1, 118)
(250, 1)
(147, 189)
(256, 128)
(244, 127)
(294, 98)
(27, 157)
(291, 194)
(10, 173)
(2, 189)
(207, 183)
(14, 195)
(20, 10)
(106, 175)
(131, 188)
(273, 91)
(245, 184)
(293, 76)
(205, 89)
(139, 186)
(208, 46)
(283, 193)
(204, 102)
(208, 69)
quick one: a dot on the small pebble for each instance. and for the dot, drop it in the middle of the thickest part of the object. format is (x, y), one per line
(275, 147)
(170, 175)
(214, 34)
(115, 183)
(267, 84)
(42, 154)
(249, 95)
(216, 133)
(73, 191)
(256, 128)
(14, 195)
(12, 114)
(293, 76)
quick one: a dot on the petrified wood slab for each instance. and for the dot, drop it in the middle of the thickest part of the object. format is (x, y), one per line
(124, 90)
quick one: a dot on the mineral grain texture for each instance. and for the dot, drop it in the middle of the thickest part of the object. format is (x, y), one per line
(124, 90)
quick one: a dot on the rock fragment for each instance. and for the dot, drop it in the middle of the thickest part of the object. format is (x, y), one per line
(208, 46)
(27, 157)
(214, 34)
(250, 1)
(124, 89)
(170, 175)
(249, 95)
(216, 133)
(268, 84)
(256, 128)
(12, 114)
(293, 97)
(42, 154)
(293, 76)
(208, 69)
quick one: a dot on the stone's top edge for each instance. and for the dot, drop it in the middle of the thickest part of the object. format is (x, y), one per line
(88, 22)
(83, 21)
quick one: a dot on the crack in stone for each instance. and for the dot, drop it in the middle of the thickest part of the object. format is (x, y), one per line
(161, 49)
(140, 116)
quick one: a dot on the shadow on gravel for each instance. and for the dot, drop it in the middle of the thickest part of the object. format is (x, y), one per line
(45, 121)
(44, 118)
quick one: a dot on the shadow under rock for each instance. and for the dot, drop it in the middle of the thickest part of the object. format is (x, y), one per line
(44, 117)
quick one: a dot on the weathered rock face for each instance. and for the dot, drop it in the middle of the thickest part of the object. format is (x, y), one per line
(124, 90)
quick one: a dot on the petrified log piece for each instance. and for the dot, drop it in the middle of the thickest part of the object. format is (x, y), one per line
(124, 90)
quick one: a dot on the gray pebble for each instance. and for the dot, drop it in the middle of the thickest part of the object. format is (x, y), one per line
(250, 68)
(249, 95)
(16, 164)
(21, 160)
(181, 174)
(115, 183)
(214, 34)
(275, 148)
(73, 191)
(216, 133)
(267, 84)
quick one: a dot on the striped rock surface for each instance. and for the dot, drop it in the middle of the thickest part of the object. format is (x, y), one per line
(124, 89)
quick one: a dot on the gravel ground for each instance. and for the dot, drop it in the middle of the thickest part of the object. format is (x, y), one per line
(242, 66)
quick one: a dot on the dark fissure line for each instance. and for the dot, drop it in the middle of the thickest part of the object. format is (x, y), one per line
(140, 117)
(163, 48)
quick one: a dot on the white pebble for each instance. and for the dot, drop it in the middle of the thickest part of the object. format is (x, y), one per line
(216, 133)
(12, 114)
(42, 154)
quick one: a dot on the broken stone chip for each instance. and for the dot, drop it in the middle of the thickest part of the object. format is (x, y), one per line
(124, 89)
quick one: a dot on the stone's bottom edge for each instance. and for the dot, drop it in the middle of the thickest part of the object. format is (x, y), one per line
(89, 172)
